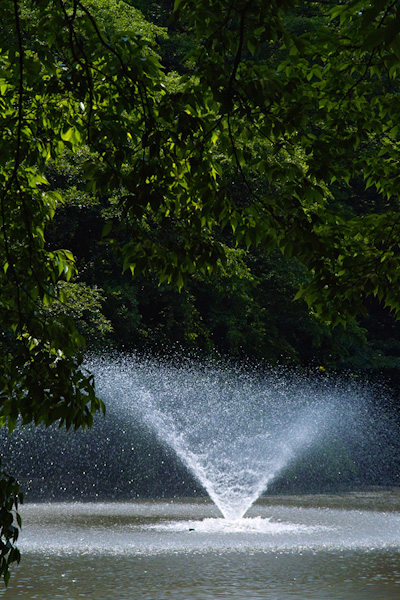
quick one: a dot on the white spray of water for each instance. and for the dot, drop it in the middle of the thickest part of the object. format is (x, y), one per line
(235, 431)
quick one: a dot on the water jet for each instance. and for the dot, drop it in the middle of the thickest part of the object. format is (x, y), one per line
(234, 429)
(191, 427)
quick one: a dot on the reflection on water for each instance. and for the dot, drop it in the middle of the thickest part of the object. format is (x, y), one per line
(184, 550)
(277, 576)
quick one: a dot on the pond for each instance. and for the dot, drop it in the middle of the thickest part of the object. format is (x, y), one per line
(343, 547)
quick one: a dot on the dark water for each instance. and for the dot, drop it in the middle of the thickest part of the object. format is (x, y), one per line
(330, 547)
(354, 575)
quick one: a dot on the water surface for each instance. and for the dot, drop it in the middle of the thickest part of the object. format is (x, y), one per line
(330, 547)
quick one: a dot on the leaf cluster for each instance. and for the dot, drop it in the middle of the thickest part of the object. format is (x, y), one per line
(10, 522)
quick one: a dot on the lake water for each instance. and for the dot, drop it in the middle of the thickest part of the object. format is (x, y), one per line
(342, 547)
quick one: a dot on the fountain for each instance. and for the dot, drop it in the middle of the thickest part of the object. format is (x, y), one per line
(235, 430)
(190, 427)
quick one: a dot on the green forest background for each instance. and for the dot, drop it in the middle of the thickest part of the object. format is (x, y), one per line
(243, 309)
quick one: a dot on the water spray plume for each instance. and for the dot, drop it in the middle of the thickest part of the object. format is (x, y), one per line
(233, 429)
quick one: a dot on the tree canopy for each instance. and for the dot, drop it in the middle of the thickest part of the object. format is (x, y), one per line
(259, 139)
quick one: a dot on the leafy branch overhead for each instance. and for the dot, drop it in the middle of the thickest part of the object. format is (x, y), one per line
(323, 116)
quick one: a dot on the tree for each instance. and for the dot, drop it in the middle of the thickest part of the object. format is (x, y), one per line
(69, 80)
(288, 115)
(327, 113)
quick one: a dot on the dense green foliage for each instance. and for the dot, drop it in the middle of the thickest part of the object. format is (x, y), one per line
(10, 497)
(250, 154)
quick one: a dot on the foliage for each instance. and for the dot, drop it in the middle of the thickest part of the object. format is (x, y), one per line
(314, 132)
(10, 497)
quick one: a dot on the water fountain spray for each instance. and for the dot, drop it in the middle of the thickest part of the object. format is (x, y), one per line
(233, 430)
